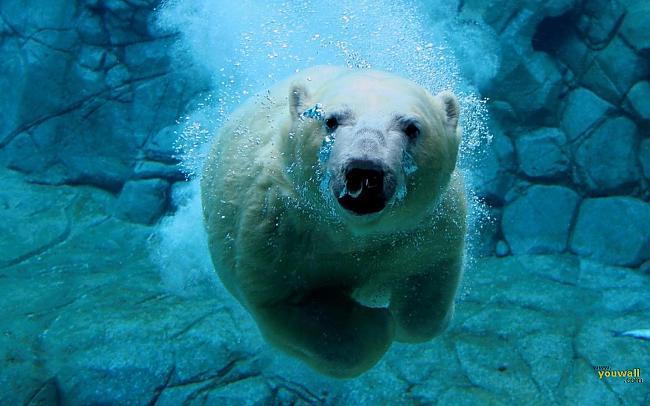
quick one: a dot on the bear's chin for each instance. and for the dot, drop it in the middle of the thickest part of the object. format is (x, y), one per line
(357, 219)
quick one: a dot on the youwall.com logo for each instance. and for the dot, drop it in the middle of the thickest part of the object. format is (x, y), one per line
(627, 375)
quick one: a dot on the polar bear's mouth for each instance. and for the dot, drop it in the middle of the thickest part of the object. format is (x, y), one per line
(364, 190)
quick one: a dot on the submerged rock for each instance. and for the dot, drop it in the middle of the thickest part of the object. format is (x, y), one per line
(161, 146)
(542, 154)
(86, 82)
(152, 169)
(143, 201)
(583, 109)
(638, 99)
(644, 157)
(502, 249)
(635, 26)
(533, 85)
(613, 230)
(539, 221)
(31, 223)
(573, 52)
(22, 155)
(599, 21)
(605, 162)
(614, 71)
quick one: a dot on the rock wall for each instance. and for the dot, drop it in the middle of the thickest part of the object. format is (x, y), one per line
(568, 169)
(91, 98)
(96, 327)
(89, 93)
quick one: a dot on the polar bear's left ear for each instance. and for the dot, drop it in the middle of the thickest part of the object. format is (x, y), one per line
(298, 99)
(452, 110)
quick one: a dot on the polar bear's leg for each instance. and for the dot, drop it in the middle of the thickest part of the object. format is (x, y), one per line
(423, 304)
(330, 331)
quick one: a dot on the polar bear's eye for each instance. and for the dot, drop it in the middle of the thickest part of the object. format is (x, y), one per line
(412, 130)
(331, 123)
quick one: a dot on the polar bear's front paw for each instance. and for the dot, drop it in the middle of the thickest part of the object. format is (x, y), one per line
(423, 305)
(330, 331)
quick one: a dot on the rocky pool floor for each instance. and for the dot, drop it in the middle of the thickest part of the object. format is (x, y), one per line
(86, 319)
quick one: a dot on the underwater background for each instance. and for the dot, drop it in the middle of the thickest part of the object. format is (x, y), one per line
(107, 291)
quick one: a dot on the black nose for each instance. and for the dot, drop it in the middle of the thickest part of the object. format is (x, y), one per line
(364, 188)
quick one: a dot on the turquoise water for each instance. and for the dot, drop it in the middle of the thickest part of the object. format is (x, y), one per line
(108, 292)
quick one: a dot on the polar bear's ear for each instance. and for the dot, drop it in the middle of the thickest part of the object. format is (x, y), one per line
(298, 97)
(452, 110)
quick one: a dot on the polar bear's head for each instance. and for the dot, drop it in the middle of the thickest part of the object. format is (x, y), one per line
(384, 146)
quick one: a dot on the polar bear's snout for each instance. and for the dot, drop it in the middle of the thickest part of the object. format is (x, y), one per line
(367, 187)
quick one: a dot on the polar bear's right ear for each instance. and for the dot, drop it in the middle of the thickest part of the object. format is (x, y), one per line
(298, 97)
(452, 109)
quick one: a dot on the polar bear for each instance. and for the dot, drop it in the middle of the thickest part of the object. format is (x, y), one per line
(336, 216)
